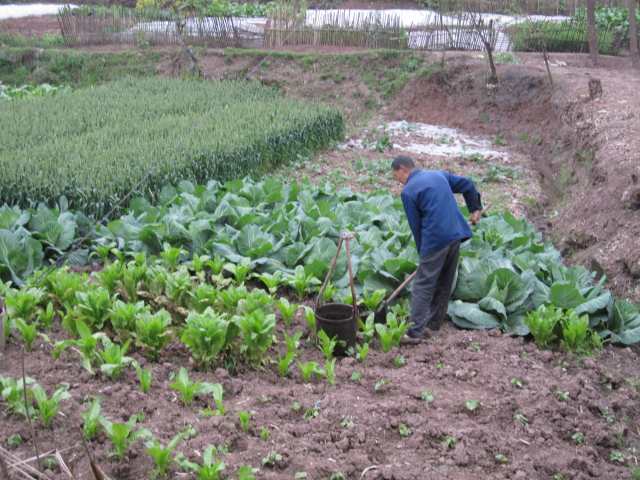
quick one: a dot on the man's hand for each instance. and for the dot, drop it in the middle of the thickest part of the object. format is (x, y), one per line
(475, 217)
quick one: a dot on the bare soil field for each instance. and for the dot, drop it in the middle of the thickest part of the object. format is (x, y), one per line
(533, 406)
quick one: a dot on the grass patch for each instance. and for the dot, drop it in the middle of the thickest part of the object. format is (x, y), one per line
(96, 145)
(19, 66)
(48, 40)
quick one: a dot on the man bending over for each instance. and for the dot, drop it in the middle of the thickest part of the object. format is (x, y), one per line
(438, 228)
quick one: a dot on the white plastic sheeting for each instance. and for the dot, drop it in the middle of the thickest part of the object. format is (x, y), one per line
(33, 9)
(426, 139)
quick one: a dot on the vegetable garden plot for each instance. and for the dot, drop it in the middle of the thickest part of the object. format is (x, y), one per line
(290, 232)
(95, 146)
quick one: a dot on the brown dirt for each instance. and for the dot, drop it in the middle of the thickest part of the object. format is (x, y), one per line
(357, 428)
(31, 26)
(598, 221)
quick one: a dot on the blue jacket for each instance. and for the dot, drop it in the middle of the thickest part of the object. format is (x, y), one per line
(432, 211)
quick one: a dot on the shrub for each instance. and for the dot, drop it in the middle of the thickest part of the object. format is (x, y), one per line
(567, 36)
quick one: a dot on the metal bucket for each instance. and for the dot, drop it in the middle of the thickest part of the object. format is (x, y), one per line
(337, 320)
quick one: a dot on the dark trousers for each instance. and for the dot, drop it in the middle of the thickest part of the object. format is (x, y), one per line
(431, 288)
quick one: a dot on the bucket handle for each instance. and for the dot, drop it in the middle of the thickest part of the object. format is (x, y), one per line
(345, 237)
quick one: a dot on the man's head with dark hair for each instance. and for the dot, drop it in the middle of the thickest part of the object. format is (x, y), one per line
(402, 167)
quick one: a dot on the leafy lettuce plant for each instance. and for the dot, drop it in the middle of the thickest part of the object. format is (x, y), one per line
(244, 418)
(371, 300)
(255, 300)
(309, 370)
(240, 271)
(189, 390)
(257, 330)
(110, 277)
(271, 281)
(113, 358)
(152, 331)
(284, 361)
(302, 282)
(93, 306)
(206, 335)
(28, 332)
(132, 277)
(123, 435)
(123, 317)
(577, 337)
(327, 345)
(46, 316)
(209, 469)
(199, 265)
(330, 371)
(368, 328)
(229, 298)
(91, 418)
(48, 407)
(391, 333)
(23, 303)
(287, 310)
(542, 324)
(362, 352)
(86, 345)
(144, 378)
(178, 286)
(203, 296)
(162, 455)
(12, 391)
(172, 256)
(64, 285)
(310, 319)
(216, 264)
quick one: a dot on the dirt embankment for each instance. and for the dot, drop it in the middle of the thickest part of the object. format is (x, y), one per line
(587, 151)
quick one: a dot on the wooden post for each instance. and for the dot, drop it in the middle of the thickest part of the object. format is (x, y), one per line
(633, 34)
(595, 88)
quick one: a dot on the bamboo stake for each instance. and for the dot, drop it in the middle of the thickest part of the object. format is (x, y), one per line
(98, 474)
(26, 406)
(2, 320)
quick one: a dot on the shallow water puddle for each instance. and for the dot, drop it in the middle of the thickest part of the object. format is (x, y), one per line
(426, 139)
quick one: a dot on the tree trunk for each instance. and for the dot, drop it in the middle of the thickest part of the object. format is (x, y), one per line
(591, 27)
(493, 78)
(633, 33)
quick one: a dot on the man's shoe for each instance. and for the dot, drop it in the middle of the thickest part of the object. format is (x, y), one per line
(409, 340)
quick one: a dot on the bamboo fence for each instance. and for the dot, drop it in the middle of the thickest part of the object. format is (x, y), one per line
(288, 25)
(339, 29)
(453, 32)
(372, 30)
(126, 26)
